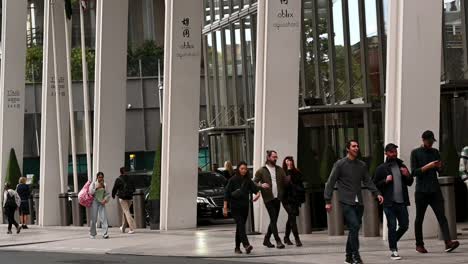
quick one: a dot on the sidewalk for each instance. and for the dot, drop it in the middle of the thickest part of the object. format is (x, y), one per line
(217, 242)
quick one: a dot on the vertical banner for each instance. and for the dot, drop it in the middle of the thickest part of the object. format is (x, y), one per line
(12, 87)
(49, 156)
(277, 89)
(181, 106)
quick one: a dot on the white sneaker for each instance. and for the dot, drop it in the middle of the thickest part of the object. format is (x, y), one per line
(92, 237)
(395, 256)
(131, 232)
(105, 236)
(122, 229)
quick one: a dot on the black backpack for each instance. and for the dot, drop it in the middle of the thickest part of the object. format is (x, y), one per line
(10, 202)
(128, 188)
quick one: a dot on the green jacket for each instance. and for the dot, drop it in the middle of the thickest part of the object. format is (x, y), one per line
(263, 176)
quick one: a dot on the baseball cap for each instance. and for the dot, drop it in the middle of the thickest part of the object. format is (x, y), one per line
(428, 135)
(390, 146)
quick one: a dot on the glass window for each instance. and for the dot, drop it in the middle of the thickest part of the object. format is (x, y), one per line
(324, 60)
(309, 53)
(217, 9)
(236, 5)
(373, 50)
(226, 8)
(210, 53)
(250, 53)
(207, 8)
(340, 80)
(220, 56)
(355, 41)
(453, 44)
(246, 3)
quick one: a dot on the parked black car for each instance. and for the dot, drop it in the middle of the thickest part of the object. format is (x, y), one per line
(210, 197)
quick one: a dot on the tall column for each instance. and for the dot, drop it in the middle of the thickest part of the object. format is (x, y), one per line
(413, 82)
(13, 50)
(181, 107)
(49, 156)
(110, 93)
(277, 87)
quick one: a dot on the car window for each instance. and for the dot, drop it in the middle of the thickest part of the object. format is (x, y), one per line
(211, 180)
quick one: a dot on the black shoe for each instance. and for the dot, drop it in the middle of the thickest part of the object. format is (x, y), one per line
(248, 249)
(298, 243)
(9, 232)
(348, 260)
(25, 227)
(18, 229)
(451, 245)
(279, 244)
(268, 244)
(357, 259)
(237, 251)
(287, 241)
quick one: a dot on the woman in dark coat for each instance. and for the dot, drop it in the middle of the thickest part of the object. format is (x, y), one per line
(294, 196)
(237, 195)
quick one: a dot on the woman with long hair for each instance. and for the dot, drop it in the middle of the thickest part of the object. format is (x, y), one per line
(98, 208)
(294, 196)
(237, 195)
(11, 202)
(228, 170)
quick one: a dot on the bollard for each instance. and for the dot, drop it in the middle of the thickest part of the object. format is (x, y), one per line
(139, 208)
(76, 210)
(370, 222)
(447, 186)
(305, 222)
(31, 210)
(335, 217)
(63, 205)
(36, 208)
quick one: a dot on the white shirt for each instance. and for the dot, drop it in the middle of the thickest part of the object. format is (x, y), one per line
(274, 185)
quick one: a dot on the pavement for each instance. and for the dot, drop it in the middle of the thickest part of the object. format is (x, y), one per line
(216, 243)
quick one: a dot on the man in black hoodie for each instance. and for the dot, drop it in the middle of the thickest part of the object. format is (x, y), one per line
(392, 178)
(124, 190)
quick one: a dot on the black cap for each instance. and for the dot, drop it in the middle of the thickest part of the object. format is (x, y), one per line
(390, 146)
(428, 135)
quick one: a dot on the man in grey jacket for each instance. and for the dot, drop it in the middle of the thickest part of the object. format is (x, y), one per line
(348, 174)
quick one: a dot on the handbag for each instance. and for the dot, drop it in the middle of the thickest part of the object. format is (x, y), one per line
(236, 194)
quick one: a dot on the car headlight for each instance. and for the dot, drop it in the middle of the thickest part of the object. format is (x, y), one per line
(202, 200)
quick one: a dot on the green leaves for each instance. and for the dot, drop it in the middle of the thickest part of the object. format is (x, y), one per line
(13, 170)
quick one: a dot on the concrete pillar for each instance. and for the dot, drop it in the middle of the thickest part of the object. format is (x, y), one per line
(13, 50)
(277, 88)
(49, 159)
(413, 83)
(181, 114)
(110, 94)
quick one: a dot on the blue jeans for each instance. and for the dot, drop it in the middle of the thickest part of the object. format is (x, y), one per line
(353, 217)
(393, 213)
(97, 209)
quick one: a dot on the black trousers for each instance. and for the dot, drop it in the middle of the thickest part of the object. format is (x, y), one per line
(396, 212)
(436, 201)
(273, 208)
(291, 224)
(353, 217)
(10, 214)
(240, 217)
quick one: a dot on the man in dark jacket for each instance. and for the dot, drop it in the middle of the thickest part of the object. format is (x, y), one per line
(349, 174)
(392, 178)
(270, 178)
(426, 166)
(124, 190)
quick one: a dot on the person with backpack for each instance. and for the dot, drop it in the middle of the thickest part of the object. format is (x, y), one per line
(98, 208)
(294, 196)
(124, 190)
(11, 202)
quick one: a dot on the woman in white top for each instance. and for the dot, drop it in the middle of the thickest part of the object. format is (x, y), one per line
(11, 202)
